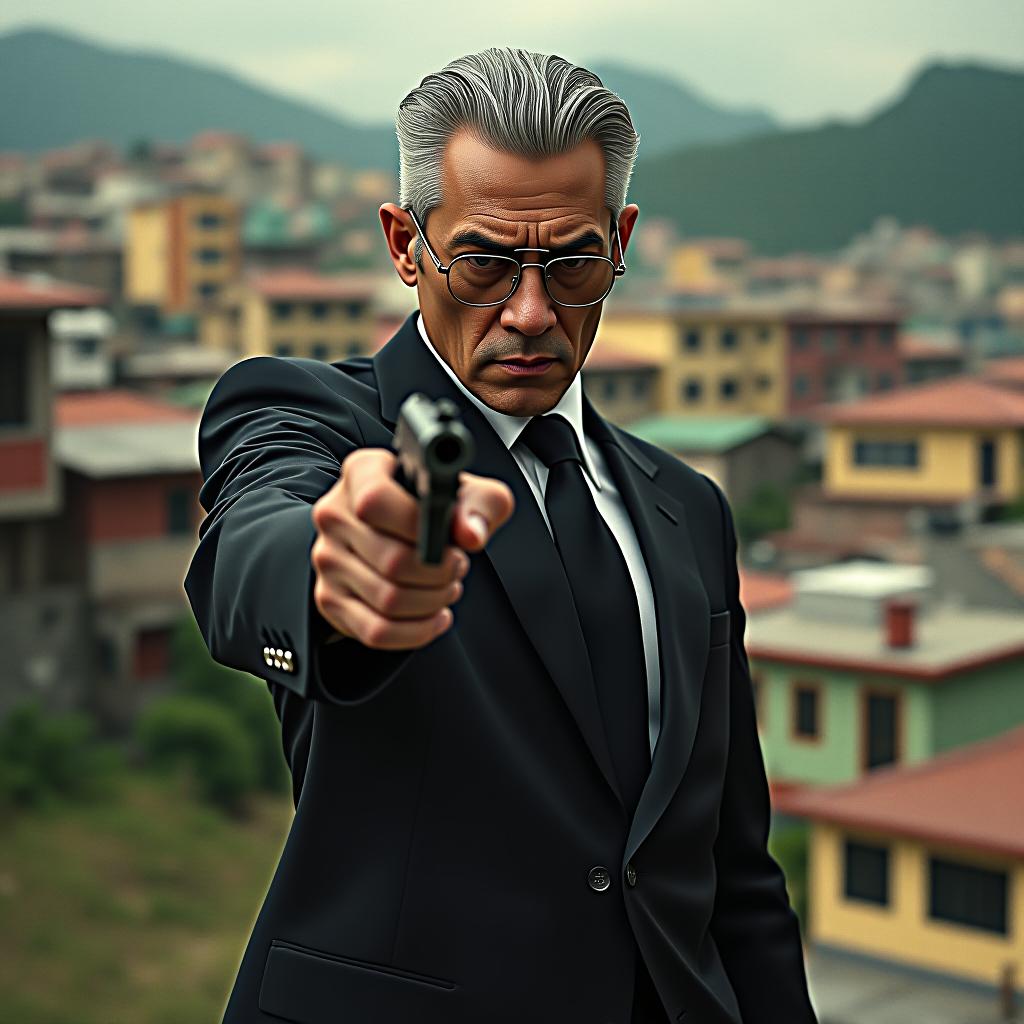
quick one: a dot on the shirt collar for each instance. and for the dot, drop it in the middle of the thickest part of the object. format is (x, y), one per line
(507, 427)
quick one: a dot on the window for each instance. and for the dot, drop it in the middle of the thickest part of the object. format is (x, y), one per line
(318, 310)
(14, 389)
(805, 711)
(209, 256)
(884, 380)
(886, 336)
(764, 333)
(728, 387)
(728, 338)
(801, 337)
(208, 290)
(611, 387)
(355, 309)
(691, 339)
(209, 220)
(856, 336)
(282, 310)
(801, 385)
(283, 348)
(829, 340)
(881, 723)
(764, 382)
(968, 895)
(86, 346)
(640, 389)
(320, 350)
(885, 453)
(354, 348)
(866, 872)
(179, 506)
(692, 389)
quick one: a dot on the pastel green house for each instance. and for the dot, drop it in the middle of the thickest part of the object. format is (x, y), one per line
(867, 667)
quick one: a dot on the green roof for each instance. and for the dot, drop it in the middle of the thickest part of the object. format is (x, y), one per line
(699, 433)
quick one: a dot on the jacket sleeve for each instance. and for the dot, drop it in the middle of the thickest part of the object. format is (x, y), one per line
(272, 438)
(755, 928)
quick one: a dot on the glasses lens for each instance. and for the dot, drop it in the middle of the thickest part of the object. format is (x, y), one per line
(579, 280)
(481, 278)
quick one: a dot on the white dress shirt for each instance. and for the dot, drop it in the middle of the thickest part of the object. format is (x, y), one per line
(606, 497)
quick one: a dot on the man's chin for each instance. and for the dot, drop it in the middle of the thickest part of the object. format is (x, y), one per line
(525, 398)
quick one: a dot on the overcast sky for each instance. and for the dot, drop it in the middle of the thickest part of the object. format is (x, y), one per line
(803, 60)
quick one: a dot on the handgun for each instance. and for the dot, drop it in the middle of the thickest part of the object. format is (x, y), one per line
(433, 447)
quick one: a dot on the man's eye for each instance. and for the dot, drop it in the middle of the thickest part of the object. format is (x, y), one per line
(483, 262)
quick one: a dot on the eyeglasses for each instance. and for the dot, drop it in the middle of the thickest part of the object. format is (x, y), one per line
(487, 279)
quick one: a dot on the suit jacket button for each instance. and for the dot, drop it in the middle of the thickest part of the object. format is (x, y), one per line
(630, 875)
(599, 879)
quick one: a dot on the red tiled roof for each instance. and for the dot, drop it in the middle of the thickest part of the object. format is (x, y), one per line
(302, 283)
(953, 401)
(24, 292)
(761, 590)
(1009, 369)
(967, 797)
(95, 408)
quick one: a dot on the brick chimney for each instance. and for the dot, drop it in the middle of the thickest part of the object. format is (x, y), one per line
(899, 623)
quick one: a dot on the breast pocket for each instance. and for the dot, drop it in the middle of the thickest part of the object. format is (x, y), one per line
(308, 986)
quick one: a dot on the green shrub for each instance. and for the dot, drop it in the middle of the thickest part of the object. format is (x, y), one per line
(46, 757)
(787, 843)
(245, 697)
(183, 732)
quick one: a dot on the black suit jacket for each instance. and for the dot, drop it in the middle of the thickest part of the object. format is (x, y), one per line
(452, 801)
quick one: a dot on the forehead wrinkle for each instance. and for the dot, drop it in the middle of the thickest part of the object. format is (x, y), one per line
(578, 222)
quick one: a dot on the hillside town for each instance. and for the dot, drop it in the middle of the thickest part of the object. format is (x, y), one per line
(862, 409)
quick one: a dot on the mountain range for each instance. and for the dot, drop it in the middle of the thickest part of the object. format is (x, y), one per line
(948, 152)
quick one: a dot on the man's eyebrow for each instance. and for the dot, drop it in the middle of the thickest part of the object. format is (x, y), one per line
(477, 238)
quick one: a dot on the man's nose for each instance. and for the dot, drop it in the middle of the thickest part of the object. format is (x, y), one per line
(530, 309)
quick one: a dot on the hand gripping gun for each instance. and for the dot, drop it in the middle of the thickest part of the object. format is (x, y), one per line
(433, 446)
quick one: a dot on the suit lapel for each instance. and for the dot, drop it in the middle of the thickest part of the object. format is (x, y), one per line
(681, 608)
(522, 551)
(525, 560)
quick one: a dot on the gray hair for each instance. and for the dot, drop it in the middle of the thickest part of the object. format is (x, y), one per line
(532, 104)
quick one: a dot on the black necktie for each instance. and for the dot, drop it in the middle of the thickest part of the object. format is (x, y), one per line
(605, 600)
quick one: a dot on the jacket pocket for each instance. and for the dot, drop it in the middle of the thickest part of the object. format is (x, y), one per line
(309, 986)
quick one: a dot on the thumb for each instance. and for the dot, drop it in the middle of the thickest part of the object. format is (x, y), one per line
(483, 505)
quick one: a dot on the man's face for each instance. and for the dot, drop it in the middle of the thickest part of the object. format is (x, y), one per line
(511, 201)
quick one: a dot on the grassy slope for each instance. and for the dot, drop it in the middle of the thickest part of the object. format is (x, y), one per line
(136, 910)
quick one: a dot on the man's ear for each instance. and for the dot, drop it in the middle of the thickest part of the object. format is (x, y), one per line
(400, 233)
(627, 221)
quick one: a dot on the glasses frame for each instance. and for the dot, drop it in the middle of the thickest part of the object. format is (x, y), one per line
(617, 271)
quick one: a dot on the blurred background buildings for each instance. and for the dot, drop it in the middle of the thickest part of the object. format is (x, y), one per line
(842, 350)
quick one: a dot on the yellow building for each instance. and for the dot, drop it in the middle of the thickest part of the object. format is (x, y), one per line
(923, 865)
(181, 253)
(294, 312)
(728, 361)
(947, 441)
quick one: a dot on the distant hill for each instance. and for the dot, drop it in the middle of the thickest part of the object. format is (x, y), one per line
(948, 153)
(58, 88)
(669, 114)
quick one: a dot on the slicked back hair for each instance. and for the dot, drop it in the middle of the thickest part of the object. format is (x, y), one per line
(531, 104)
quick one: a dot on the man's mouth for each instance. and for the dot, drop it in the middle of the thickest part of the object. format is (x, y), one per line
(523, 365)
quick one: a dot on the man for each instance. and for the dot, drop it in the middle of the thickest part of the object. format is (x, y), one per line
(528, 781)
